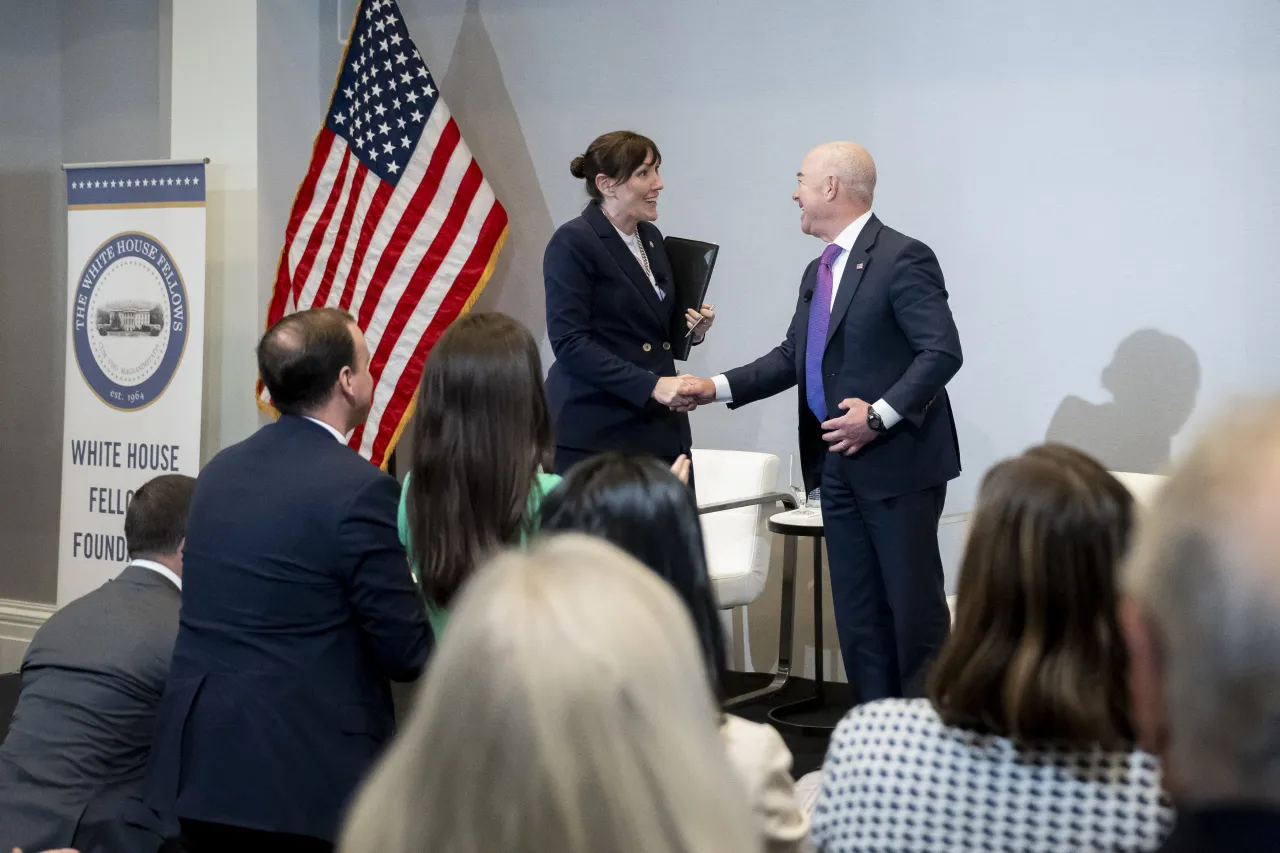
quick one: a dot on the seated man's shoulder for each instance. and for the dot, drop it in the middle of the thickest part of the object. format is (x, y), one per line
(356, 473)
(130, 608)
(306, 459)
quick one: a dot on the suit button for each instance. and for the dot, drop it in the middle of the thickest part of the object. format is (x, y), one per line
(646, 347)
(666, 345)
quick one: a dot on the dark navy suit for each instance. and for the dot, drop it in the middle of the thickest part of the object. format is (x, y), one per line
(612, 337)
(298, 607)
(890, 336)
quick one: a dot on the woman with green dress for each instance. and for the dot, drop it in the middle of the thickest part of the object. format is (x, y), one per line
(481, 446)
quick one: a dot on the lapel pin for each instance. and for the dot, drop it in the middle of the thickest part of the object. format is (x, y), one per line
(859, 266)
(650, 244)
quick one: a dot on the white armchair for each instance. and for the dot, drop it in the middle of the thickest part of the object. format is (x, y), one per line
(1143, 487)
(738, 544)
(736, 496)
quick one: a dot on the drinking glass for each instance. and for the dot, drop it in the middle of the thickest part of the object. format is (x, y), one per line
(797, 483)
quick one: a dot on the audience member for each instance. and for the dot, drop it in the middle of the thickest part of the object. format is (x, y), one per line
(1026, 740)
(481, 448)
(636, 504)
(1202, 620)
(299, 607)
(566, 710)
(73, 766)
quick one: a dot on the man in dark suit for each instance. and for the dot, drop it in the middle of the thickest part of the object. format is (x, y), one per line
(73, 767)
(299, 609)
(1201, 619)
(871, 323)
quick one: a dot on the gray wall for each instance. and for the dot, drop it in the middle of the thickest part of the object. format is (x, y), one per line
(293, 94)
(79, 81)
(1085, 172)
(1098, 179)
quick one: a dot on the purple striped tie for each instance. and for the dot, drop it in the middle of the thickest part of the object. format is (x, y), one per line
(819, 319)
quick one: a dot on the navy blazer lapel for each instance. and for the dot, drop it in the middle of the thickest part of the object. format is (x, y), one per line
(626, 261)
(859, 257)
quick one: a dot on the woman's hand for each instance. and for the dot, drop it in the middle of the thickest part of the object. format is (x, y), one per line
(681, 469)
(700, 321)
(670, 392)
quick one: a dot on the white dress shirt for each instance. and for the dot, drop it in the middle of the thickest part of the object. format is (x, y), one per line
(342, 438)
(158, 569)
(845, 240)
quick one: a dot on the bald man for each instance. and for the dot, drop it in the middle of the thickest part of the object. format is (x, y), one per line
(872, 346)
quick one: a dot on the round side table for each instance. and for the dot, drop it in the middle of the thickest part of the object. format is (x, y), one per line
(795, 524)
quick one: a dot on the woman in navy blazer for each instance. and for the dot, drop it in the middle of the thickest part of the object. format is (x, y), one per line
(611, 311)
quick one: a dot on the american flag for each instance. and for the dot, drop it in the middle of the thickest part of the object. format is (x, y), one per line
(394, 221)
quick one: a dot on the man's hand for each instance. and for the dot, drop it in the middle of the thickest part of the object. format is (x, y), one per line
(850, 432)
(670, 392)
(667, 391)
(701, 391)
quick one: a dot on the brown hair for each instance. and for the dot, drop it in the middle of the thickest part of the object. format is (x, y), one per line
(616, 155)
(481, 432)
(155, 522)
(1037, 653)
(302, 355)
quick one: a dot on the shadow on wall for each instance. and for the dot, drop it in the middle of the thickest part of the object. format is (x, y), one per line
(477, 95)
(1153, 379)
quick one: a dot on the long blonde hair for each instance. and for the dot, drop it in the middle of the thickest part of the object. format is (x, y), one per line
(567, 709)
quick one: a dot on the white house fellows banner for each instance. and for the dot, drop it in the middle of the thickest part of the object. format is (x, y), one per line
(135, 345)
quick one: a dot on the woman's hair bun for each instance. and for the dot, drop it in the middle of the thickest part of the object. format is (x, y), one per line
(575, 167)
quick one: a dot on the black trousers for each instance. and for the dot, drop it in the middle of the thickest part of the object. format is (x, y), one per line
(567, 457)
(201, 837)
(886, 584)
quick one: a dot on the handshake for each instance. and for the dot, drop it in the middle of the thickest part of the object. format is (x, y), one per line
(684, 393)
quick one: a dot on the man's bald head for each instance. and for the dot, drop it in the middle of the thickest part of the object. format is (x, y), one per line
(835, 185)
(851, 165)
(1203, 618)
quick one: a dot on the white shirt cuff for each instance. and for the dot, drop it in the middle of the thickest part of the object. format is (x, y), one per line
(888, 416)
(724, 394)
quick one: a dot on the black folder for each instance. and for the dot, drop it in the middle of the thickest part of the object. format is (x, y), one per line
(691, 264)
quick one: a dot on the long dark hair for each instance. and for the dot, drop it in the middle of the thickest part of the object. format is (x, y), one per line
(636, 503)
(481, 432)
(1037, 653)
